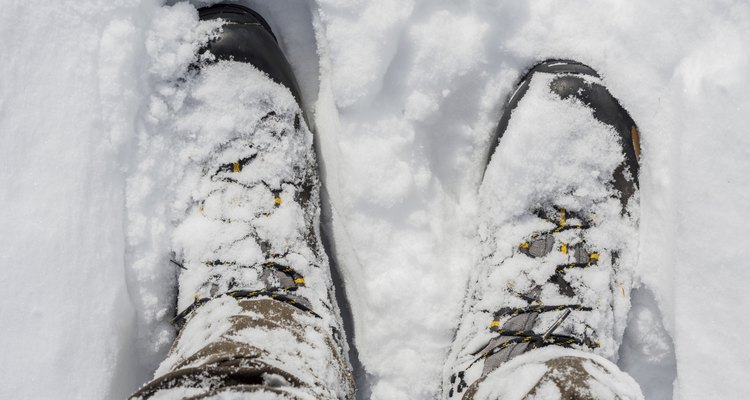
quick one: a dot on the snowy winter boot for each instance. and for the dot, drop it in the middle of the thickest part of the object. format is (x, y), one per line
(257, 313)
(547, 303)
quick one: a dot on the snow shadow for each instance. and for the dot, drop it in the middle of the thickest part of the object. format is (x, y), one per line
(647, 351)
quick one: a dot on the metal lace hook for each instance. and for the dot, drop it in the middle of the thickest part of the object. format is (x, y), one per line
(557, 323)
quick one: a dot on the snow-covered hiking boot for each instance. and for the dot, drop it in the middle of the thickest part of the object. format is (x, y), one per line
(257, 316)
(547, 303)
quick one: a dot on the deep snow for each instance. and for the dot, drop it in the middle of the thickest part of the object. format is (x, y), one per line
(406, 94)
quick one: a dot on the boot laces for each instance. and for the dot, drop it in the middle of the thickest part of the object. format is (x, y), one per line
(281, 281)
(539, 245)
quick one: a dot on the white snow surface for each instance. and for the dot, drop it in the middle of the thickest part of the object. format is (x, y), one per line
(405, 96)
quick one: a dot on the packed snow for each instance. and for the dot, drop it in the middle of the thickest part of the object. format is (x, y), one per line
(404, 97)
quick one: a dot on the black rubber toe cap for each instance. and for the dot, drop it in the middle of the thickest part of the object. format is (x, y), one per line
(570, 82)
(247, 37)
(564, 67)
(234, 13)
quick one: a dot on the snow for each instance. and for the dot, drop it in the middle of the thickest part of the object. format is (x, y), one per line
(405, 94)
